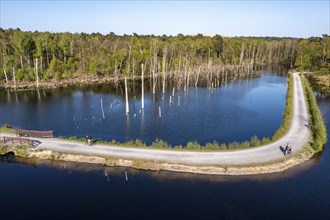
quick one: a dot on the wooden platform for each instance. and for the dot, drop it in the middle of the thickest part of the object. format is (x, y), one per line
(33, 133)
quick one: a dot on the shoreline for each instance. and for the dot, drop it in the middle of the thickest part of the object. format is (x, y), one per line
(152, 165)
(80, 81)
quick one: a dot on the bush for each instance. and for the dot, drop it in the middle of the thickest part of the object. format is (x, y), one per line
(265, 141)
(212, 146)
(139, 143)
(245, 144)
(223, 146)
(178, 147)
(254, 142)
(317, 126)
(158, 143)
(7, 126)
(193, 145)
(233, 145)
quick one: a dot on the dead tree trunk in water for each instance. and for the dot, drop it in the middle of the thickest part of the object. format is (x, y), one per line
(185, 74)
(242, 55)
(37, 77)
(197, 77)
(164, 69)
(142, 81)
(126, 97)
(14, 77)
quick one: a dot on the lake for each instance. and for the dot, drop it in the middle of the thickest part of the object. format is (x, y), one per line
(234, 112)
(61, 190)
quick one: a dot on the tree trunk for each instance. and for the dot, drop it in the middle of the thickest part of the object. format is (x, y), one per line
(126, 97)
(142, 82)
(14, 77)
(37, 77)
(242, 55)
(197, 78)
(41, 63)
(4, 71)
(129, 61)
(164, 70)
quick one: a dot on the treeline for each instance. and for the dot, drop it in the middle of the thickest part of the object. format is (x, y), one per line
(26, 56)
(313, 54)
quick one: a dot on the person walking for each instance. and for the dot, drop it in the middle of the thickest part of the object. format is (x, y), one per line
(287, 149)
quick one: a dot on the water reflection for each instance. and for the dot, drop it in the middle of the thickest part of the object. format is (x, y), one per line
(235, 111)
(160, 176)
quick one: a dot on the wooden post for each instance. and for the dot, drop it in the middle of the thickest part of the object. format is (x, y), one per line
(126, 95)
(179, 100)
(160, 112)
(142, 80)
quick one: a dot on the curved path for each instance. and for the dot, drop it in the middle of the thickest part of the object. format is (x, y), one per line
(297, 136)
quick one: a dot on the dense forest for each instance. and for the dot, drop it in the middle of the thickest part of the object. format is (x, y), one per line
(46, 56)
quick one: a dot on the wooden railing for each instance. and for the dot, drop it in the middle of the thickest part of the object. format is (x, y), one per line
(16, 140)
(32, 133)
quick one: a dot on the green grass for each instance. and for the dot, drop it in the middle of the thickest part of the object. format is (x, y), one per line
(319, 134)
(7, 129)
(287, 117)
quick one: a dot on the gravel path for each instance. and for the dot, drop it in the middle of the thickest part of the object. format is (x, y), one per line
(297, 137)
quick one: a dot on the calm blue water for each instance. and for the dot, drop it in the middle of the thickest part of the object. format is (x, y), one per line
(62, 190)
(235, 111)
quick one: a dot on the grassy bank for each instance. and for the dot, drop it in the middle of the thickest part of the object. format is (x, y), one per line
(287, 117)
(7, 129)
(320, 83)
(319, 134)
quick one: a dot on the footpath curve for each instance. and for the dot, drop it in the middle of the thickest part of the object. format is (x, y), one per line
(297, 136)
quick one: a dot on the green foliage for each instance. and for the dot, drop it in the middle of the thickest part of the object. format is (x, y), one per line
(22, 151)
(158, 143)
(178, 147)
(193, 145)
(212, 146)
(316, 120)
(223, 146)
(313, 54)
(265, 141)
(287, 117)
(7, 126)
(4, 149)
(66, 55)
(255, 142)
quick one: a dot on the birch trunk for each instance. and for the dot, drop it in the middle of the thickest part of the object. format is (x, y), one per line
(36, 72)
(14, 77)
(126, 97)
(142, 81)
(4, 72)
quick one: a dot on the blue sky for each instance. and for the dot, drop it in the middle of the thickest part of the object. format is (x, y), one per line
(227, 18)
